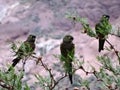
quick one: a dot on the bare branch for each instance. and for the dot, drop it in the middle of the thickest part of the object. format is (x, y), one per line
(116, 52)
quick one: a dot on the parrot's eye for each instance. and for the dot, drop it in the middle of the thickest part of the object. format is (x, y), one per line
(106, 17)
(71, 38)
(68, 38)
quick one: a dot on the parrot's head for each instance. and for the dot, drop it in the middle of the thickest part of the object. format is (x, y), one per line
(105, 17)
(68, 39)
(31, 38)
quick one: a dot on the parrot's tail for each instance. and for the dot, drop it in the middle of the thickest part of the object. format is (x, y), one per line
(70, 73)
(15, 61)
(70, 77)
(101, 44)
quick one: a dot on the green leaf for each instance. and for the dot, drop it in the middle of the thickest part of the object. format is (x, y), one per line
(26, 87)
(85, 83)
(14, 47)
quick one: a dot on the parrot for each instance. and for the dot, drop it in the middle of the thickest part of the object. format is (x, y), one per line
(102, 29)
(25, 50)
(67, 54)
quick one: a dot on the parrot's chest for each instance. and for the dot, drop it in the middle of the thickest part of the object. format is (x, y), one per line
(68, 47)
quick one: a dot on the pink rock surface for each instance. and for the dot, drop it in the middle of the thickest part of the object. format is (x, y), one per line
(50, 20)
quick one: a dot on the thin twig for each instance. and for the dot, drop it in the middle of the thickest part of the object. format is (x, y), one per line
(53, 81)
(4, 85)
(49, 70)
(114, 35)
(58, 81)
(81, 67)
(116, 52)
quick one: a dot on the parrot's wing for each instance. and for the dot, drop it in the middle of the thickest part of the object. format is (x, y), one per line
(25, 49)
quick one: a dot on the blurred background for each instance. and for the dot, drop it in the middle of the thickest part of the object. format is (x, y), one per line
(47, 20)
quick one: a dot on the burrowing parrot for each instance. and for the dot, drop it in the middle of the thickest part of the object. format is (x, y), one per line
(103, 28)
(67, 54)
(25, 50)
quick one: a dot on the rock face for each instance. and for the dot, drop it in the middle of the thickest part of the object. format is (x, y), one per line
(49, 15)
(46, 19)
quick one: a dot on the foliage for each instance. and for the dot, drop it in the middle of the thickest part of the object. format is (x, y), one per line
(108, 75)
(109, 71)
(84, 22)
(12, 81)
(43, 81)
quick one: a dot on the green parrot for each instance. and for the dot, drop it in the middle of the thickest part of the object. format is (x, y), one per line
(67, 54)
(25, 50)
(103, 28)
